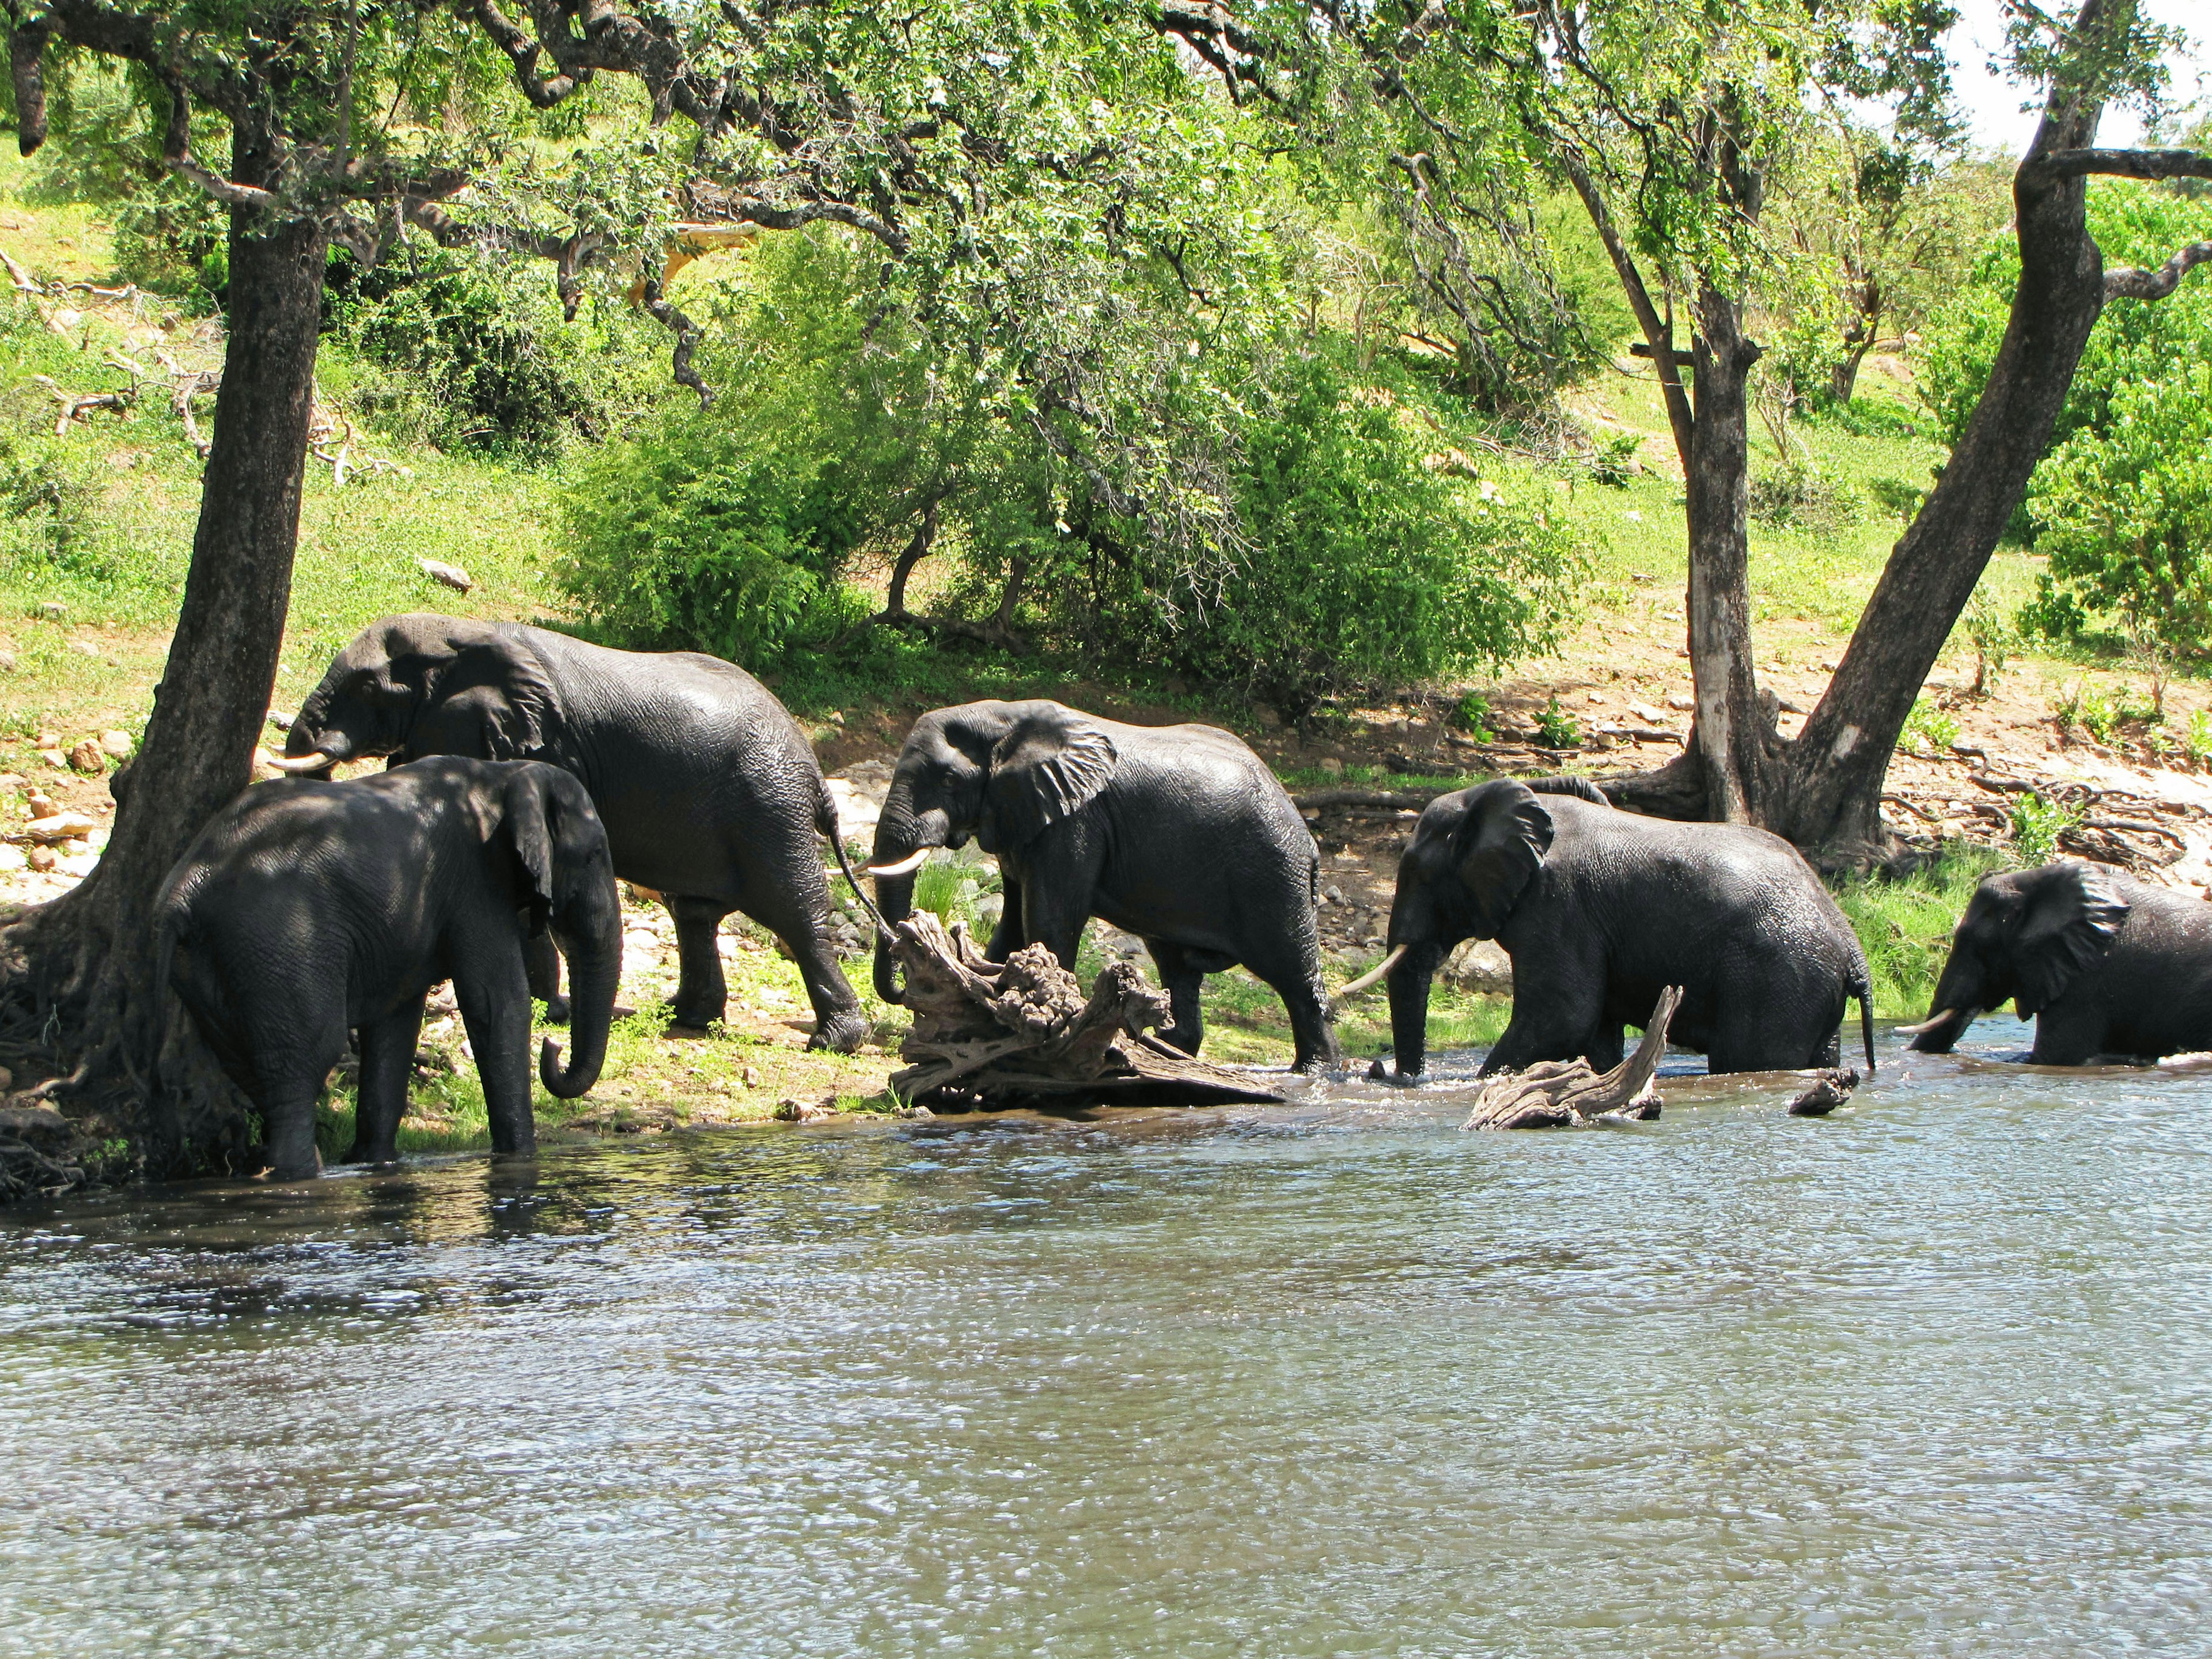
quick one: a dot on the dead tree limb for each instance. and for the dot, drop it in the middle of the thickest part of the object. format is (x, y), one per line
(1556, 1093)
(1021, 1032)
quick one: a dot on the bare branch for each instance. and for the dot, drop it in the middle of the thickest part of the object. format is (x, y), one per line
(2147, 164)
(715, 202)
(687, 333)
(223, 190)
(2129, 283)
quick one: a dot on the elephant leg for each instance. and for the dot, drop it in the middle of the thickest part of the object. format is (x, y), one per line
(702, 995)
(1006, 938)
(288, 1127)
(494, 993)
(1183, 981)
(801, 920)
(387, 1062)
(543, 958)
(1294, 975)
(1557, 1006)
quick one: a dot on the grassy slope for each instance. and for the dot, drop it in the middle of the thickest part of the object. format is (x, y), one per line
(134, 485)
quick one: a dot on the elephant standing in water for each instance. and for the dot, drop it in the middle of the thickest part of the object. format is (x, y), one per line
(710, 793)
(304, 910)
(2103, 963)
(1600, 910)
(1178, 834)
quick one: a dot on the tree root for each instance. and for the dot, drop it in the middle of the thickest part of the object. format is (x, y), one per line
(1021, 1032)
(1557, 1093)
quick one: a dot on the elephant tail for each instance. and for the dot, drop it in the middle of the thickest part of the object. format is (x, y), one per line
(825, 821)
(1864, 993)
(1580, 788)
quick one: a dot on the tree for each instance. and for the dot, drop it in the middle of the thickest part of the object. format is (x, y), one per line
(891, 122)
(1671, 128)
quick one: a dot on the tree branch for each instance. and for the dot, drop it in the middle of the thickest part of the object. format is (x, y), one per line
(2128, 283)
(26, 44)
(2148, 164)
(1657, 334)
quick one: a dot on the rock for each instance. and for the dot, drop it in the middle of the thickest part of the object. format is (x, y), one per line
(41, 859)
(42, 1125)
(265, 765)
(857, 812)
(750, 1077)
(805, 1111)
(836, 717)
(55, 758)
(989, 909)
(281, 720)
(52, 610)
(79, 865)
(1681, 701)
(1480, 964)
(12, 859)
(7, 662)
(42, 804)
(1829, 1091)
(60, 827)
(87, 758)
(1335, 895)
(50, 740)
(116, 745)
(448, 575)
(1333, 766)
(1647, 713)
(84, 648)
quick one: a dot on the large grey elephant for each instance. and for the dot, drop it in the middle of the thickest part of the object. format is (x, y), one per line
(1600, 910)
(306, 910)
(710, 793)
(1178, 834)
(2103, 963)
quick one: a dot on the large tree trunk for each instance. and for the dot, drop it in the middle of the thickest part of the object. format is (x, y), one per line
(83, 968)
(1732, 732)
(1832, 794)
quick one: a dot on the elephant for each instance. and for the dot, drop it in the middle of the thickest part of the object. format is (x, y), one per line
(306, 909)
(1178, 834)
(710, 793)
(1600, 910)
(2103, 963)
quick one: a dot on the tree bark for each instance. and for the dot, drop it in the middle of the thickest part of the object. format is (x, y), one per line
(1732, 749)
(1832, 794)
(84, 966)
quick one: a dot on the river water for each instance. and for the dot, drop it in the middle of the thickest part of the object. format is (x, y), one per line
(1928, 1377)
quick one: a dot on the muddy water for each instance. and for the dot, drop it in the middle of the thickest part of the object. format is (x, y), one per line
(1931, 1376)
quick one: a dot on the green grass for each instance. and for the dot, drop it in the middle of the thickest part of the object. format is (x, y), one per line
(1904, 926)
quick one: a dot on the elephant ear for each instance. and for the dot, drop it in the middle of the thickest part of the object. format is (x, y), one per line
(489, 698)
(2070, 923)
(1499, 845)
(527, 816)
(1050, 763)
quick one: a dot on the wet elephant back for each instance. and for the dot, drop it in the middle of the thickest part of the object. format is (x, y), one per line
(1200, 838)
(687, 757)
(2156, 985)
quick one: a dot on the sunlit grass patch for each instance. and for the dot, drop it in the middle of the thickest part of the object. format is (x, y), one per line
(1904, 926)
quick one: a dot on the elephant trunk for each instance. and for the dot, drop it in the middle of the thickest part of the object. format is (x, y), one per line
(1961, 994)
(594, 972)
(1409, 1007)
(894, 898)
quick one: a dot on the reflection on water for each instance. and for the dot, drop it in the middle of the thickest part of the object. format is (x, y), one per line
(1927, 1377)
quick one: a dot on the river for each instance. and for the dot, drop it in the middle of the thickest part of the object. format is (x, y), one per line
(1927, 1377)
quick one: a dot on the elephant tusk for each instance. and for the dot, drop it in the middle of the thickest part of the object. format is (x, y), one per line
(1375, 975)
(1929, 1025)
(315, 762)
(905, 866)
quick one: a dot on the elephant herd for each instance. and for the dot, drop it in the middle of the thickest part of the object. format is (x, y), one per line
(527, 770)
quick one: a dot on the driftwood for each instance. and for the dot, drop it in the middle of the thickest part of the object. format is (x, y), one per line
(1021, 1032)
(1555, 1093)
(1829, 1091)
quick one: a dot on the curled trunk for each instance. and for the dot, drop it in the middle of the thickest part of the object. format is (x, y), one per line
(594, 972)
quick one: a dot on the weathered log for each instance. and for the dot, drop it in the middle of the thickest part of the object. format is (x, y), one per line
(1829, 1091)
(1555, 1093)
(1021, 1032)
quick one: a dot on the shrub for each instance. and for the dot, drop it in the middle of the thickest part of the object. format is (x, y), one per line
(1363, 567)
(1932, 723)
(2037, 824)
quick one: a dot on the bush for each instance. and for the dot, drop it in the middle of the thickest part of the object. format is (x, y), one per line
(480, 357)
(1363, 567)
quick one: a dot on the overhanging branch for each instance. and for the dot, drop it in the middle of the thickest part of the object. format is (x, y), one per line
(2147, 164)
(2130, 283)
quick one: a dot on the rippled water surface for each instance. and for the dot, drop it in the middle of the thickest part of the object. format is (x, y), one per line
(1927, 1377)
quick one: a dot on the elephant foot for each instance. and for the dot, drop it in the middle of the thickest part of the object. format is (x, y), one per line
(1177, 1038)
(358, 1153)
(840, 1034)
(1382, 1070)
(692, 1018)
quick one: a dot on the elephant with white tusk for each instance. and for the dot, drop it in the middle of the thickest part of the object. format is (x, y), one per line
(1178, 834)
(1600, 910)
(711, 794)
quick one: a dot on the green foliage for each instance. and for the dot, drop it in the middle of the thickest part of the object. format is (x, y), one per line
(2037, 824)
(1613, 461)
(2123, 504)
(2198, 744)
(1995, 639)
(1904, 926)
(1557, 726)
(1474, 711)
(1931, 723)
(1799, 497)
(1362, 566)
